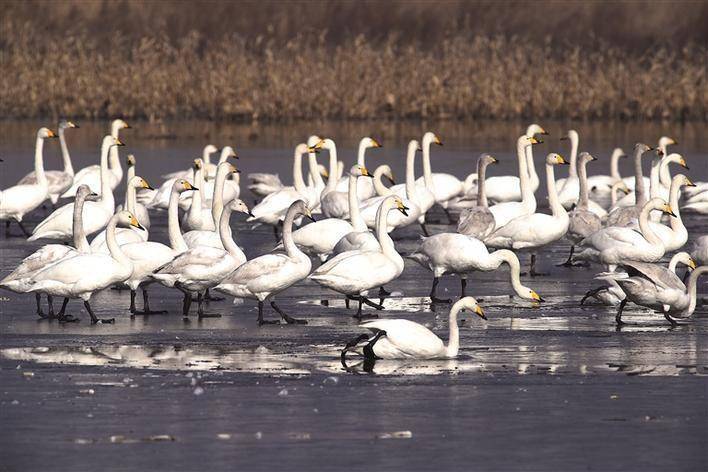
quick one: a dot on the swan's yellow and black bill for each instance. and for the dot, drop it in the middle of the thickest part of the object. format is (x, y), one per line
(51, 134)
(689, 183)
(480, 312)
(667, 209)
(536, 297)
(147, 185)
(691, 263)
(437, 140)
(376, 143)
(320, 144)
(561, 160)
(313, 149)
(365, 172)
(682, 163)
(71, 124)
(188, 186)
(494, 160)
(391, 178)
(130, 160)
(119, 142)
(533, 140)
(134, 222)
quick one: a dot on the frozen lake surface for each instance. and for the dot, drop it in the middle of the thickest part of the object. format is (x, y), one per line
(535, 388)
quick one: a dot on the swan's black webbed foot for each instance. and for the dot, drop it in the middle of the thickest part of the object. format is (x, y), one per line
(64, 318)
(208, 297)
(671, 320)
(365, 316)
(324, 302)
(287, 318)
(440, 300)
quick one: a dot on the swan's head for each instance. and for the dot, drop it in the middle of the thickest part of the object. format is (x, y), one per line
(525, 141)
(571, 135)
(110, 141)
(226, 152)
(360, 171)
(622, 187)
(301, 208)
(618, 152)
(641, 148)
(209, 149)
(469, 303)
(676, 158)
(529, 294)
(118, 125)
(130, 160)
(301, 149)
(182, 185)
(384, 170)
(312, 140)
(399, 205)
(535, 129)
(227, 168)
(325, 143)
(64, 124)
(431, 138)
(586, 157)
(84, 192)
(556, 159)
(126, 219)
(139, 182)
(413, 146)
(487, 159)
(660, 204)
(240, 206)
(46, 133)
(666, 141)
(683, 181)
(198, 164)
(685, 259)
(368, 142)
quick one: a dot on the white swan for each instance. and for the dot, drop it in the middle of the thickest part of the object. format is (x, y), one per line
(59, 180)
(188, 174)
(355, 272)
(96, 214)
(508, 188)
(421, 196)
(656, 287)
(200, 268)
(198, 217)
(530, 232)
(614, 244)
(124, 235)
(319, 239)
(478, 221)
(453, 253)
(620, 216)
(263, 277)
(582, 222)
(330, 205)
(443, 187)
(85, 274)
(508, 210)
(231, 188)
(601, 184)
(51, 253)
(404, 339)
(131, 202)
(664, 175)
(612, 294)
(365, 187)
(91, 175)
(569, 187)
(17, 201)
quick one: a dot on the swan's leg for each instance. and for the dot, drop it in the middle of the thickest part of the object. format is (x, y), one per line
(186, 303)
(40, 313)
(590, 293)
(359, 314)
(209, 298)
(463, 283)
(369, 348)
(50, 303)
(132, 301)
(351, 344)
(618, 317)
(200, 310)
(433, 290)
(346, 302)
(372, 304)
(261, 321)
(288, 319)
(532, 270)
(450, 219)
(383, 292)
(670, 320)
(7, 228)
(94, 319)
(24, 230)
(146, 306)
(569, 262)
(425, 229)
(62, 316)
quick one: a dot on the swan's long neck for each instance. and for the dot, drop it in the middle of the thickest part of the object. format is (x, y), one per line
(217, 200)
(333, 170)
(195, 209)
(573, 171)
(526, 190)
(175, 234)
(427, 171)
(453, 342)
(115, 166)
(553, 200)
(530, 164)
(646, 229)
(354, 214)
(613, 193)
(674, 193)
(39, 162)
(664, 173)
(640, 192)
(505, 255)
(692, 285)
(614, 165)
(481, 190)
(68, 167)
(654, 178)
(298, 180)
(361, 154)
(314, 170)
(410, 173)
(206, 156)
(80, 241)
(674, 262)
(583, 176)
(106, 191)
(225, 234)
(113, 247)
(290, 248)
(385, 240)
(379, 187)
(130, 198)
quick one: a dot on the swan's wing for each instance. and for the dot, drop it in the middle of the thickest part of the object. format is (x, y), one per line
(262, 265)
(267, 179)
(659, 275)
(197, 256)
(476, 221)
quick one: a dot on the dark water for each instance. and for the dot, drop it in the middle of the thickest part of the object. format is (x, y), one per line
(550, 387)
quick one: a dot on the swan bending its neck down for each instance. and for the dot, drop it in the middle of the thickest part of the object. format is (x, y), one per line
(85, 274)
(533, 231)
(264, 277)
(354, 272)
(21, 199)
(479, 221)
(404, 339)
(615, 244)
(452, 253)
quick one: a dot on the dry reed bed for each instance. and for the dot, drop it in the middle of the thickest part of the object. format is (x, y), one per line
(231, 78)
